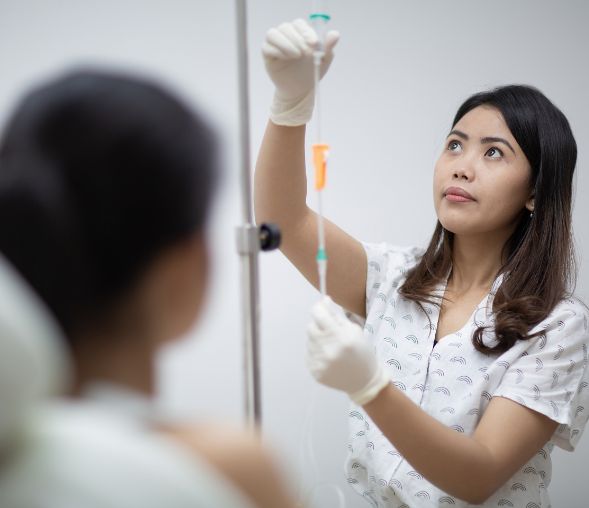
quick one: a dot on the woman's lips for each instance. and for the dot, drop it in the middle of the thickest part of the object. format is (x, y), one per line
(457, 198)
(457, 195)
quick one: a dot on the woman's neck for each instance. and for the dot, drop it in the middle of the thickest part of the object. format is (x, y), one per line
(476, 261)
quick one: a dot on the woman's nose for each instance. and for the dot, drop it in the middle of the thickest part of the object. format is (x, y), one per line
(462, 174)
(464, 169)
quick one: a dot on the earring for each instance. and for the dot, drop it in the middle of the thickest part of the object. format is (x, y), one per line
(532, 214)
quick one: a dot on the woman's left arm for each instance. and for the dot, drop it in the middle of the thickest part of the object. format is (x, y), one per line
(469, 467)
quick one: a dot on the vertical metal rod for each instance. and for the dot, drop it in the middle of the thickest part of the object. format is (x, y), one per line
(248, 237)
(244, 114)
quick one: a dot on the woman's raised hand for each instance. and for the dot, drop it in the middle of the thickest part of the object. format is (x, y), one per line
(288, 57)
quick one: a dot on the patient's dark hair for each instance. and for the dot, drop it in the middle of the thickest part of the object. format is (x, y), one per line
(99, 172)
(539, 269)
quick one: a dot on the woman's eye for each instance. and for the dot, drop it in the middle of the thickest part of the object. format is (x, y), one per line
(454, 146)
(494, 153)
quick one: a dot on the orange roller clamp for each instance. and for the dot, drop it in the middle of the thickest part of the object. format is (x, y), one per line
(320, 153)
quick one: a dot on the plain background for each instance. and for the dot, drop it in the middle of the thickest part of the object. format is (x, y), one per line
(401, 70)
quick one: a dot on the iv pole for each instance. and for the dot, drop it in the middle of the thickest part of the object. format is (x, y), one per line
(250, 238)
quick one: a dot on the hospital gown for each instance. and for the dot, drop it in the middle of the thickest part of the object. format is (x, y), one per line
(454, 383)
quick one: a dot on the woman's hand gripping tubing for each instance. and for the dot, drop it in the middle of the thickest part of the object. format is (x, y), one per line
(339, 356)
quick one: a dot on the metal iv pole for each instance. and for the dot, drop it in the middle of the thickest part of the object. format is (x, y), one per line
(250, 238)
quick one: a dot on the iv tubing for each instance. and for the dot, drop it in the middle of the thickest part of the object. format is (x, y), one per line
(321, 255)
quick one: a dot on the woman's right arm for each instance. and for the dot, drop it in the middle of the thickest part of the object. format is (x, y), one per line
(281, 186)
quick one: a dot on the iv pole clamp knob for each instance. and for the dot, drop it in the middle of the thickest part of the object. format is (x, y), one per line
(270, 237)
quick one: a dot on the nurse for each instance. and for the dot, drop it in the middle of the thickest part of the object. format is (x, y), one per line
(106, 182)
(481, 349)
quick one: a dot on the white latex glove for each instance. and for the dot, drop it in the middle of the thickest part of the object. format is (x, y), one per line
(339, 356)
(288, 56)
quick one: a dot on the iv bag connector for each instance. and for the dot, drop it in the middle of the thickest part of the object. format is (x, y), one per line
(320, 16)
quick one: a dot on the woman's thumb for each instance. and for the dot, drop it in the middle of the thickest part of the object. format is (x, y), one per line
(331, 39)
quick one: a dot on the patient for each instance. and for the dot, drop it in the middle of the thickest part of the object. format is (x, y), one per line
(106, 182)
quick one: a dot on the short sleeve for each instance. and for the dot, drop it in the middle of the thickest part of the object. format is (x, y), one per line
(387, 267)
(551, 375)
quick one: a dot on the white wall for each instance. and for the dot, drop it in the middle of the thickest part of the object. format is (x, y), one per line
(401, 70)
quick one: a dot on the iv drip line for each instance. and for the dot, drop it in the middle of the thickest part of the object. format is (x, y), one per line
(319, 19)
(320, 150)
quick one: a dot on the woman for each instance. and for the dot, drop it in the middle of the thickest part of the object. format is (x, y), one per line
(105, 187)
(481, 350)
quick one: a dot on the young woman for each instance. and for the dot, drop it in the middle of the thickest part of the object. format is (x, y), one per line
(105, 187)
(481, 350)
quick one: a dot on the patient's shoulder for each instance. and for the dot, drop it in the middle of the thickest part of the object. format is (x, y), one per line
(239, 455)
(226, 446)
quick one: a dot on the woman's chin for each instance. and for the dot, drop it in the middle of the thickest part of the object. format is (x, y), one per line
(459, 227)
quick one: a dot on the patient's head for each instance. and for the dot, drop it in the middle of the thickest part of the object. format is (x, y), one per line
(105, 187)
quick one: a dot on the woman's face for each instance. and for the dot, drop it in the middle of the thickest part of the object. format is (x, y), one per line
(482, 178)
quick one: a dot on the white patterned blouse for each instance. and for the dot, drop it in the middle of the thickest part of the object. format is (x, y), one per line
(454, 383)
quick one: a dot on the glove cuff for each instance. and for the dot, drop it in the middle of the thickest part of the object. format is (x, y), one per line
(292, 112)
(379, 381)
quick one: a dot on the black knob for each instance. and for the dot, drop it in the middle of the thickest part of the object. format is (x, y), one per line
(269, 237)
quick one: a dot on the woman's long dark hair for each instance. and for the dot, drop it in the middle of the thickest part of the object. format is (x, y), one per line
(539, 270)
(99, 172)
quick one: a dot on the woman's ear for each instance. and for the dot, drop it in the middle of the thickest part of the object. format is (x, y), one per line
(530, 203)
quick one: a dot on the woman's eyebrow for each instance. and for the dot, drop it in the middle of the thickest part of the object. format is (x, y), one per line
(458, 133)
(485, 140)
(497, 140)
